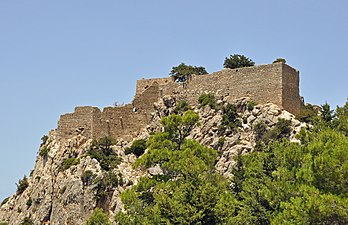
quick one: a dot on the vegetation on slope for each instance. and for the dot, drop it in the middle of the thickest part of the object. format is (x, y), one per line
(279, 183)
(101, 150)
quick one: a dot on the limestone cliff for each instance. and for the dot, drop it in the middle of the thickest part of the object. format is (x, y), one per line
(57, 192)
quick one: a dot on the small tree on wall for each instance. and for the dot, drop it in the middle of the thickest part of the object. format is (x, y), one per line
(183, 72)
(237, 61)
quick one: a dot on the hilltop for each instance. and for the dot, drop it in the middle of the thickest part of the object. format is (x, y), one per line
(193, 152)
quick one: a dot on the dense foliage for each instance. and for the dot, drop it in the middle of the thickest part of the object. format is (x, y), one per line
(102, 151)
(27, 221)
(188, 191)
(230, 120)
(181, 107)
(237, 61)
(22, 185)
(105, 187)
(207, 99)
(87, 177)
(99, 217)
(67, 163)
(288, 183)
(44, 151)
(183, 72)
(137, 148)
(278, 183)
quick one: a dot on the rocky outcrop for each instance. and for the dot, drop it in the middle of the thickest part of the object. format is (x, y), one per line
(58, 195)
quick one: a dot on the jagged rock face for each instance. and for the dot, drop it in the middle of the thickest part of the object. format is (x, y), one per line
(61, 197)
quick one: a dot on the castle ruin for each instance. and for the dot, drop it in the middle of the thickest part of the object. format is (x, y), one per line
(275, 83)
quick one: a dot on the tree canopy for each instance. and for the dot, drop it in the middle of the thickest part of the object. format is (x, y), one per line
(237, 61)
(183, 72)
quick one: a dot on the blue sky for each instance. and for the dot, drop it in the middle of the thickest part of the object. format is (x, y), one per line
(55, 55)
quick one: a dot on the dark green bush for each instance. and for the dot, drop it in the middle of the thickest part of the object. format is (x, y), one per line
(279, 131)
(22, 185)
(221, 142)
(260, 130)
(326, 113)
(207, 99)
(251, 105)
(279, 60)
(237, 61)
(229, 119)
(27, 221)
(69, 162)
(5, 201)
(101, 150)
(87, 177)
(308, 114)
(44, 140)
(44, 151)
(99, 217)
(3, 223)
(181, 107)
(137, 148)
(29, 202)
(106, 186)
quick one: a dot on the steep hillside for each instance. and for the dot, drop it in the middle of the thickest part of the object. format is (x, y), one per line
(71, 178)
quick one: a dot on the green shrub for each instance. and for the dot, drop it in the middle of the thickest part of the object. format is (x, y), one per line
(106, 185)
(99, 217)
(207, 99)
(308, 114)
(101, 151)
(279, 131)
(260, 130)
(279, 60)
(221, 142)
(137, 148)
(44, 151)
(27, 221)
(237, 61)
(87, 177)
(44, 140)
(22, 185)
(29, 202)
(5, 201)
(69, 162)
(229, 119)
(251, 104)
(181, 107)
(3, 223)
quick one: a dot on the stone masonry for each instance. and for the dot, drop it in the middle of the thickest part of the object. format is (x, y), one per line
(275, 83)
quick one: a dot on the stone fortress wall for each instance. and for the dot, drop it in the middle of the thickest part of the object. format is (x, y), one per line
(277, 83)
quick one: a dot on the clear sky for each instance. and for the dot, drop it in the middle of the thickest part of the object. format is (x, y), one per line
(55, 55)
